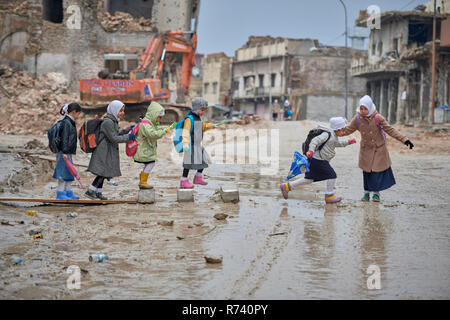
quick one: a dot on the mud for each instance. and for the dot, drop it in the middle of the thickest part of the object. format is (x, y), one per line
(271, 248)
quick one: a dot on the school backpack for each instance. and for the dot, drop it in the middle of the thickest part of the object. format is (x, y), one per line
(88, 135)
(377, 121)
(54, 138)
(311, 135)
(132, 145)
(178, 137)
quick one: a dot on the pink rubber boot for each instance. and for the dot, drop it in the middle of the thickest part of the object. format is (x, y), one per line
(185, 184)
(285, 189)
(198, 179)
(332, 199)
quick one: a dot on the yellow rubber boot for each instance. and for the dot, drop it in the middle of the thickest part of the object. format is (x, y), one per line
(143, 181)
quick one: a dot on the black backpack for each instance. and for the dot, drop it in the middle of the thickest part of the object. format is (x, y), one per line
(88, 135)
(311, 135)
(54, 138)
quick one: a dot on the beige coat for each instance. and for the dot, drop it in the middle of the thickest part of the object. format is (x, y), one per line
(373, 152)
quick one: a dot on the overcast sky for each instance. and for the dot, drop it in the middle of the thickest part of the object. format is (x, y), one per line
(225, 25)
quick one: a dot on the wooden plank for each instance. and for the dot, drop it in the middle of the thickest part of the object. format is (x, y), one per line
(53, 159)
(79, 201)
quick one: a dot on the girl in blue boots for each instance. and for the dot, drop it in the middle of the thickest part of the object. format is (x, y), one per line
(67, 147)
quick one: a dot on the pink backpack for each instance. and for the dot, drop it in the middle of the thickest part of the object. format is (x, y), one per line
(132, 145)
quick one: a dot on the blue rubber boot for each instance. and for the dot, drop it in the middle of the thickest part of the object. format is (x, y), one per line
(69, 194)
(61, 195)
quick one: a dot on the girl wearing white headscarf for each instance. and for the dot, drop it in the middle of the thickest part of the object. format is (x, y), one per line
(374, 157)
(105, 161)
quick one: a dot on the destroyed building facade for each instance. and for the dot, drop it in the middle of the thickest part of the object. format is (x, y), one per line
(309, 75)
(397, 66)
(216, 78)
(72, 36)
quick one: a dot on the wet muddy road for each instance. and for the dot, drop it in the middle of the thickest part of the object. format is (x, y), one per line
(272, 248)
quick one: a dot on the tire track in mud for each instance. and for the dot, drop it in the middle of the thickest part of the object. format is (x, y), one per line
(259, 268)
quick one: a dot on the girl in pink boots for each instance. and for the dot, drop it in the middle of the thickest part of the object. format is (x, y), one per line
(195, 155)
(321, 151)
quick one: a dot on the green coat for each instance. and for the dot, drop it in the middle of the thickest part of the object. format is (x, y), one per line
(149, 134)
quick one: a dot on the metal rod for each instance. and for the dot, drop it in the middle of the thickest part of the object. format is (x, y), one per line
(433, 67)
(346, 61)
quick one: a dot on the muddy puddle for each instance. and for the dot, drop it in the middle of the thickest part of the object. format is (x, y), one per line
(272, 248)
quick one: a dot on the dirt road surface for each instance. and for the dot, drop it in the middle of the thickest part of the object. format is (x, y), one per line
(272, 248)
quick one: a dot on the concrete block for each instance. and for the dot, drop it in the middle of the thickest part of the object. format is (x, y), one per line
(146, 196)
(229, 194)
(185, 195)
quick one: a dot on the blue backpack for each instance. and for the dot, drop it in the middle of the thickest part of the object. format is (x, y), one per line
(178, 137)
(54, 138)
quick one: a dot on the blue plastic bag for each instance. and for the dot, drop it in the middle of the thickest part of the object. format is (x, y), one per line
(299, 165)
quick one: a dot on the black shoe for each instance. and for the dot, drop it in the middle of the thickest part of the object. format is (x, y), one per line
(91, 194)
(100, 196)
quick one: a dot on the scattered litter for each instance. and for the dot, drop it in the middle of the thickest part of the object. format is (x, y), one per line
(32, 232)
(32, 212)
(198, 224)
(72, 215)
(179, 256)
(37, 236)
(277, 234)
(113, 183)
(220, 216)
(81, 269)
(180, 237)
(213, 259)
(16, 260)
(98, 257)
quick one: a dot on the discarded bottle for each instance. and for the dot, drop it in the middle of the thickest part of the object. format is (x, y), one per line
(16, 260)
(32, 212)
(98, 257)
(72, 214)
(113, 183)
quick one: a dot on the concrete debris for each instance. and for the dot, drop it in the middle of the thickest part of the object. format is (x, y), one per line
(39, 99)
(166, 223)
(213, 258)
(122, 21)
(220, 216)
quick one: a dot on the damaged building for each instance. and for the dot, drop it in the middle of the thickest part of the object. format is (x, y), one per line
(78, 38)
(309, 75)
(397, 66)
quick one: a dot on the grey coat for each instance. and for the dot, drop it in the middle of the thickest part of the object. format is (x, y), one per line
(327, 152)
(105, 160)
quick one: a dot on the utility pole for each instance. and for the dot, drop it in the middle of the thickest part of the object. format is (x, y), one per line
(346, 60)
(433, 67)
(270, 76)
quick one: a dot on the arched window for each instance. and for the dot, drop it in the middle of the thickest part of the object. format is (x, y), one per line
(53, 10)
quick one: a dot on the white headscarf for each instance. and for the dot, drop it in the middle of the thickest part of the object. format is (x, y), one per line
(337, 123)
(65, 108)
(367, 102)
(286, 103)
(114, 108)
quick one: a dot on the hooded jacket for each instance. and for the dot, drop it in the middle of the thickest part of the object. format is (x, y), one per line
(68, 135)
(327, 152)
(149, 134)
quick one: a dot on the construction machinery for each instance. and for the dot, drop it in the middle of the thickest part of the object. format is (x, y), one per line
(137, 84)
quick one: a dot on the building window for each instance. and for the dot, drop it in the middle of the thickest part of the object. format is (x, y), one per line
(373, 49)
(261, 80)
(214, 87)
(273, 76)
(53, 11)
(206, 87)
(395, 44)
(249, 82)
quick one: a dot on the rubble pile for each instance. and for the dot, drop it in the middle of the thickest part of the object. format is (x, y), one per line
(19, 7)
(31, 106)
(122, 21)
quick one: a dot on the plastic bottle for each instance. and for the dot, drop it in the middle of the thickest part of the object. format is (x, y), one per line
(72, 214)
(16, 260)
(98, 257)
(32, 212)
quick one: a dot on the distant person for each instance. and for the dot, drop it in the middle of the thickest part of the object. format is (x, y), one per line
(67, 147)
(374, 157)
(105, 160)
(147, 136)
(275, 110)
(321, 151)
(287, 110)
